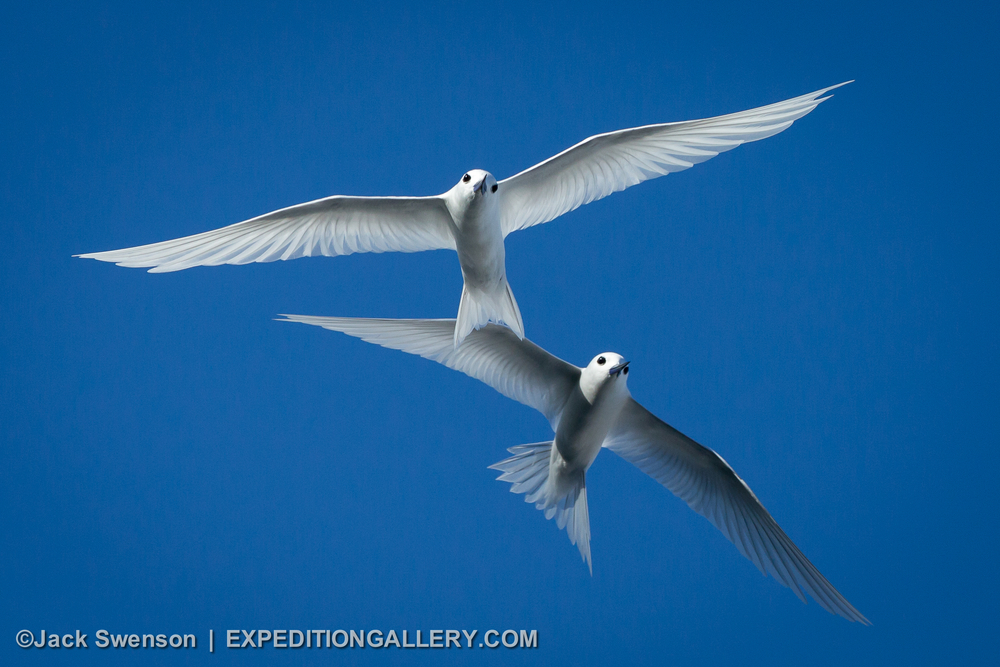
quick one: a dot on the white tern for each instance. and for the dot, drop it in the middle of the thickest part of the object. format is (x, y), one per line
(590, 408)
(475, 216)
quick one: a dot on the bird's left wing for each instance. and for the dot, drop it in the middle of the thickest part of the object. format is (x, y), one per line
(702, 479)
(607, 163)
(518, 369)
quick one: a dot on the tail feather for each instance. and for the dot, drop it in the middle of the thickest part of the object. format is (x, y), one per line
(528, 473)
(510, 313)
(477, 308)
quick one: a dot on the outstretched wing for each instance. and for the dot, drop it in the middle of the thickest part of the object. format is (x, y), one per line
(332, 226)
(607, 163)
(518, 369)
(702, 479)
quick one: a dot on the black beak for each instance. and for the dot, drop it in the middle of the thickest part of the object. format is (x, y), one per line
(615, 370)
(481, 188)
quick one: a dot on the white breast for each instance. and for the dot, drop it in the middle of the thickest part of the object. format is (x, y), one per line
(585, 422)
(479, 242)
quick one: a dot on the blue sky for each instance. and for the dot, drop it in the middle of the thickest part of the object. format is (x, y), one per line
(819, 307)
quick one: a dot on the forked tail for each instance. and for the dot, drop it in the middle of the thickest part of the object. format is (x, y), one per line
(477, 308)
(528, 473)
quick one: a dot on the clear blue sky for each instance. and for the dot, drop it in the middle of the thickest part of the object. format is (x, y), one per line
(819, 307)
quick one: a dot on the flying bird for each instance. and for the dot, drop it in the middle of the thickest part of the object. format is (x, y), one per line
(475, 216)
(590, 409)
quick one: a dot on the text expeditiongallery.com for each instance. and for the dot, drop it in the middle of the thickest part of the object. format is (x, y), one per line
(284, 639)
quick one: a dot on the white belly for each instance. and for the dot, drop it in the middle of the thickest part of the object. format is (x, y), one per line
(479, 242)
(583, 426)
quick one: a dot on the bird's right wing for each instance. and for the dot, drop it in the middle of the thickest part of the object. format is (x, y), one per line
(332, 226)
(518, 369)
(702, 479)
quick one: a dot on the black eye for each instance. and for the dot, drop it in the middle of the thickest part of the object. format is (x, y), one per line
(466, 178)
(625, 370)
(600, 361)
(494, 188)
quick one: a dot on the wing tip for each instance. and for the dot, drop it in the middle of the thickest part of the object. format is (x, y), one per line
(112, 257)
(826, 90)
(301, 319)
(837, 605)
(851, 614)
(94, 255)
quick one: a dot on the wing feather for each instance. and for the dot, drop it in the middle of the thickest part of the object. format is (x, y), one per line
(516, 368)
(703, 480)
(332, 226)
(608, 163)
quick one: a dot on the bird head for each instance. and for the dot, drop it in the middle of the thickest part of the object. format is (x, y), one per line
(477, 183)
(605, 371)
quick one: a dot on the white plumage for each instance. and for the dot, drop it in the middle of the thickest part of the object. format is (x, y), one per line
(474, 216)
(590, 408)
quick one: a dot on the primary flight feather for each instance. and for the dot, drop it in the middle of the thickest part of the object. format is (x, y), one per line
(590, 408)
(474, 216)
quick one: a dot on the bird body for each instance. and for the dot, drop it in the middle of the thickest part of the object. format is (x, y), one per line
(590, 409)
(476, 215)
(589, 413)
(475, 210)
(558, 486)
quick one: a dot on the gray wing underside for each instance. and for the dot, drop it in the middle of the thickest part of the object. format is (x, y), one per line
(518, 369)
(608, 163)
(703, 480)
(332, 226)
